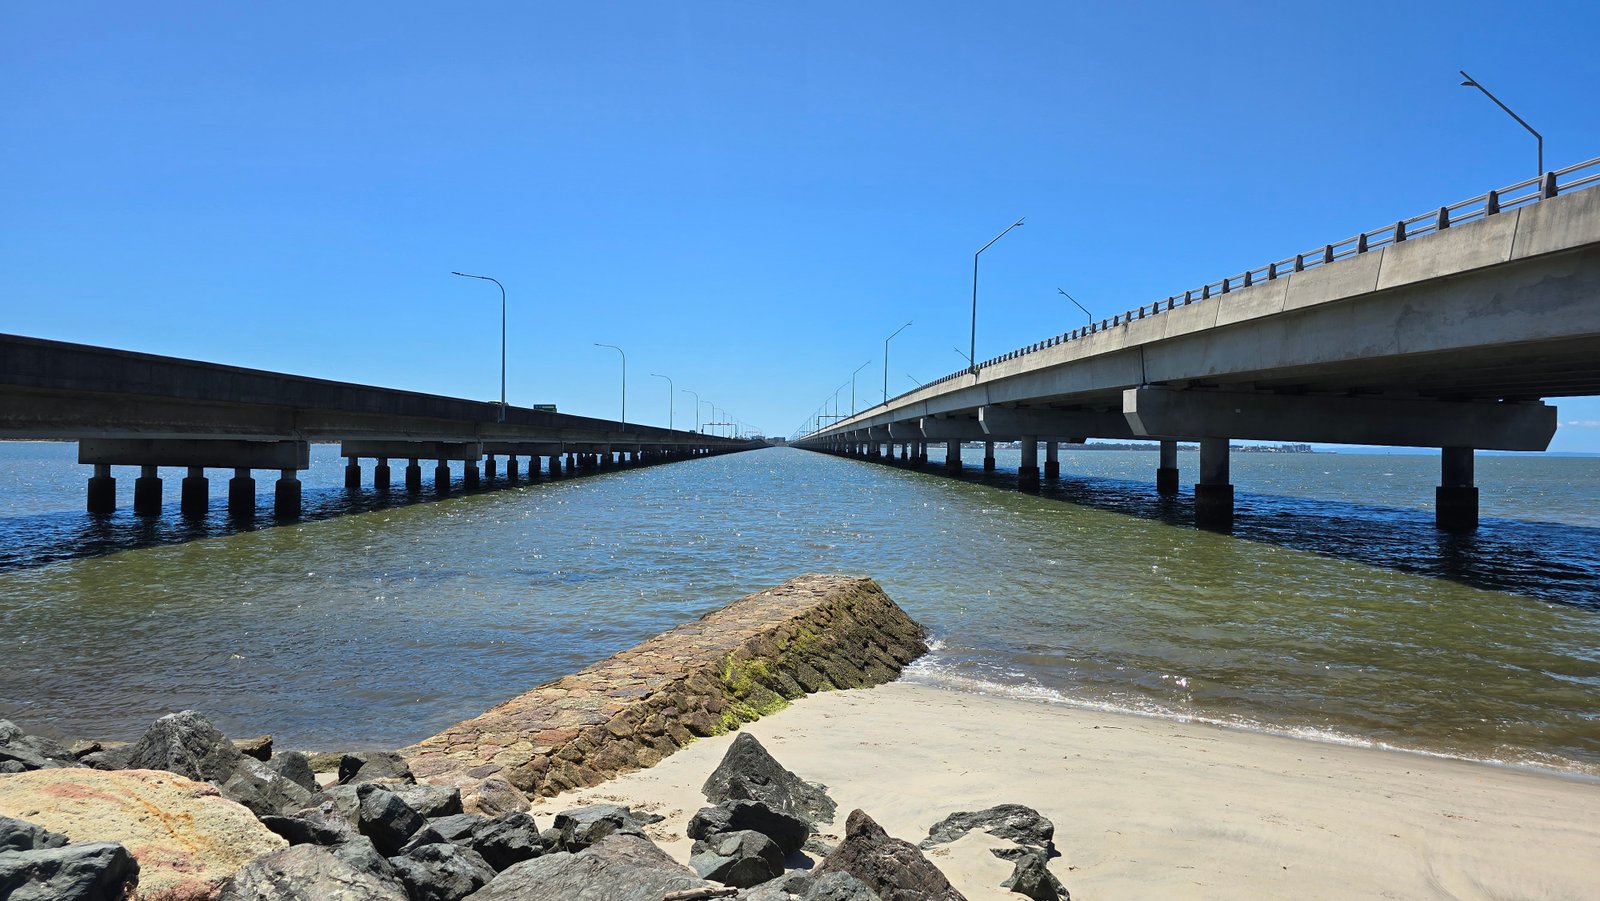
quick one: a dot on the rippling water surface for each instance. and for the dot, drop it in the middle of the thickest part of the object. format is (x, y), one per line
(1334, 611)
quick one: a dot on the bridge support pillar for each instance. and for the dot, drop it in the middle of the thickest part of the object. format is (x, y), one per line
(102, 490)
(413, 476)
(922, 452)
(555, 464)
(380, 474)
(488, 468)
(286, 495)
(1052, 459)
(1455, 507)
(352, 473)
(147, 492)
(1167, 471)
(469, 475)
(1028, 471)
(441, 477)
(511, 467)
(1213, 496)
(241, 494)
(905, 452)
(952, 455)
(572, 463)
(194, 492)
(988, 456)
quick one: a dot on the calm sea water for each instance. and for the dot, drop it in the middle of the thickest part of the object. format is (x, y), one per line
(1335, 611)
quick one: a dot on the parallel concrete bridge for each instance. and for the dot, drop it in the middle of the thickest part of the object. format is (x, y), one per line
(1445, 330)
(133, 409)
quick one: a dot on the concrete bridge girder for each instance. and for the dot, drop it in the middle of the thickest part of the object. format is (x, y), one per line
(1061, 425)
(1157, 411)
(210, 453)
(952, 429)
(413, 450)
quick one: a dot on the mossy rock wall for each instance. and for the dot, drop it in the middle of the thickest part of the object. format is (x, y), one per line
(812, 633)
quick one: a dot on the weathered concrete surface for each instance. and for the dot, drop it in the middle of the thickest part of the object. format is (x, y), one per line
(187, 838)
(813, 633)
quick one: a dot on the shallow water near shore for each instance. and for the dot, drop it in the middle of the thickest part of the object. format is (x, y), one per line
(1334, 611)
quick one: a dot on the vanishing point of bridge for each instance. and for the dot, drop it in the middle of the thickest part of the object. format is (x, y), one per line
(1444, 330)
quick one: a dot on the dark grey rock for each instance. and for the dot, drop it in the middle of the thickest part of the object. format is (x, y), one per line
(11, 767)
(359, 854)
(790, 833)
(91, 871)
(583, 826)
(344, 799)
(259, 748)
(385, 819)
(619, 867)
(370, 766)
(20, 835)
(742, 859)
(264, 792)
(508, 839)
(430, 800)
(456, 830)
(836, 886)
(1033, 879)
(306, 873)
(441, 872)
(320, 825)
(1014, 822)
(22, 752)
(108, 759)
(748, 772)
(295, 767)
(895, 870)
(187, 744)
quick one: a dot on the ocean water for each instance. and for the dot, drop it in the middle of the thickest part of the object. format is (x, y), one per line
(1335, 611)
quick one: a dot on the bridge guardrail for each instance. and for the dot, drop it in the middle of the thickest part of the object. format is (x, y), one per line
(1550, 184)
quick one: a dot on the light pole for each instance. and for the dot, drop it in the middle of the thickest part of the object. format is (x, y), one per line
(697, 403)
(502, 336)
(886, 360)
(972, 352)
(853, 386)
(1076, 304)
(624, 381)
(709, 404)
(963, 355)
(1472, 83)
(671, 396)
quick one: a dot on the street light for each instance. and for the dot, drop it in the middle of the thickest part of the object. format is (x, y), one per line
(697, 403)
(853, 386)
(624, 381)
(963, 355)
(671, 396)
(502, 336)
(709, 404)
(914, 379)
(972, 353)
(886, 360)
(1472, 83)
(1076, 304)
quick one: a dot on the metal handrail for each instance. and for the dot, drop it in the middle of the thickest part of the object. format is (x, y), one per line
(1490, 203)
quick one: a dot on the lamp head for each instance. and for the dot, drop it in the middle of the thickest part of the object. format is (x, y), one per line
(1469, 83)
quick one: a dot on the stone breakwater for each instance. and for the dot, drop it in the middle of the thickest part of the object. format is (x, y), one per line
(812, 633)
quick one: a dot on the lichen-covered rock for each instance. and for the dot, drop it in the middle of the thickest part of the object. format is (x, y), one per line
(748, 771)
(187, 744)
(307, 873)
(813, 633)
(742, 859)
(185, 835)
(895, 870)
(789, 833)
(90, 871)
(619, 867)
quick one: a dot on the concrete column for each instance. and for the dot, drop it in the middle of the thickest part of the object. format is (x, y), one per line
(147, 492)
(1167, 470)
(286, 495)
(102, 490)
(194, 492)
(555, 464)
(511, 467)
(1028, 471)
(952, 455)
(380, 474)
(241, 494)
(1213, 496)
(905, 452)
(572, 463)
(922, 452)
(489, 467)
(441, 477)
(413, 476)
(988, 456)
(352, 473)
(1455, 501)
(469, 475)
(605, 460)
(1052, 459)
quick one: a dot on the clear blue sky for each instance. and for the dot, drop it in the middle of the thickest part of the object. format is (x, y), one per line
(747, 197)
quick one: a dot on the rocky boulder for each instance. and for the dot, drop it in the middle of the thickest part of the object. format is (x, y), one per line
(455, 830)
(742, 859)
(320, 825)
(441, 872)
(430, 800)
(187, 744)
(385, 819)
(1028, 828)
(787, 832)
(583, 826)
(307, 873)
(185, 835)
(836, 886)
(21, 752)
(508, 839)
(374, 766)
(295, 767)
(619, 867)
(895, 870)
(91, 871)
(1032, 878)
(18, 835)
(748, 772)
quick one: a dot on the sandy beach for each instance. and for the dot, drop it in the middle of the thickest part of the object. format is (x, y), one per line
(1150, 808)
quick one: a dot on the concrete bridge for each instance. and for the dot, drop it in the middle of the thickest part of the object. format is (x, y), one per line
(132, 409)
(1444, 330)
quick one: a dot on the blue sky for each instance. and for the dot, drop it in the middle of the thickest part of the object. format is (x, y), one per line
(746, 197)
